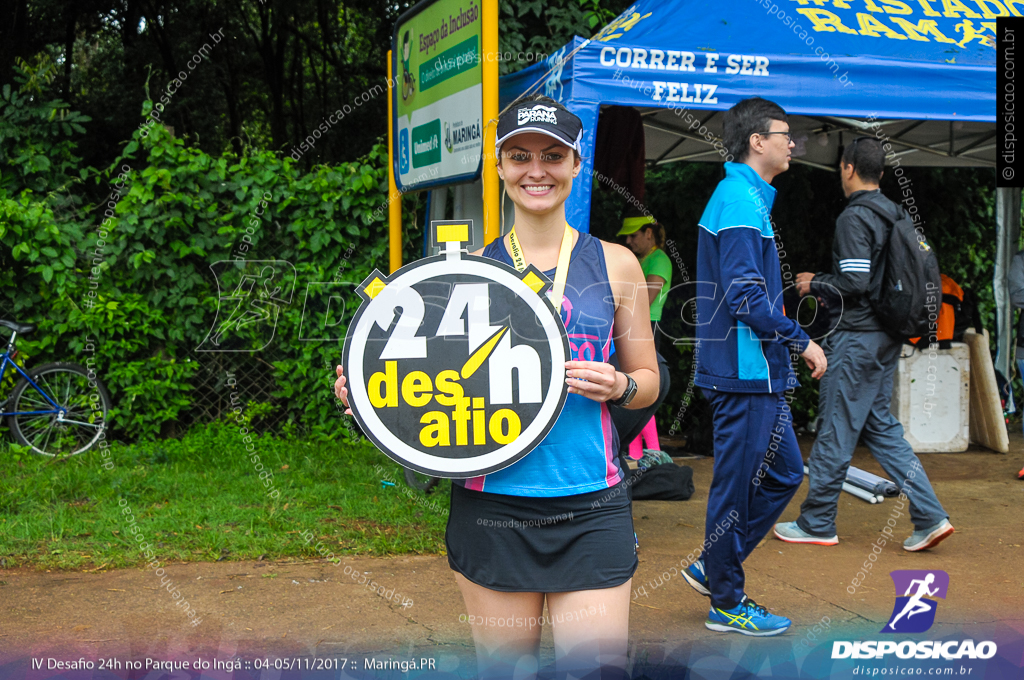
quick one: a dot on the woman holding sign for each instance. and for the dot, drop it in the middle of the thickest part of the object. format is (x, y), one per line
(556, 525)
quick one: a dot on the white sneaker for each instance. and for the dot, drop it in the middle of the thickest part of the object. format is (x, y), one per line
(930, 537)
(790, 532)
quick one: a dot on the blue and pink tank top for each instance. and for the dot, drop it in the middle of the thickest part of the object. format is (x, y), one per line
(579, 455)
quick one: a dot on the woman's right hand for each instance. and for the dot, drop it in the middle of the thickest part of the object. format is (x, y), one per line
(340, 390)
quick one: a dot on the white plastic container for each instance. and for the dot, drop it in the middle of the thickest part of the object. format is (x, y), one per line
(931, 398)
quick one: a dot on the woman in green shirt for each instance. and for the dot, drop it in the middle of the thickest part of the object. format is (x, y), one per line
(646, 238)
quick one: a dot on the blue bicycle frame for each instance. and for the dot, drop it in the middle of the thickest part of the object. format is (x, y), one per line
(5, 359)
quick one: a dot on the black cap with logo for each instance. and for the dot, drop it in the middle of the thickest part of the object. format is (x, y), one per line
(533, 116)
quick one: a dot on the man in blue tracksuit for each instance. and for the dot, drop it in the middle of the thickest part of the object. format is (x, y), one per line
(743, 365)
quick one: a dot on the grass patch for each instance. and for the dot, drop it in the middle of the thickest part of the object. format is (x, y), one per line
(201, 498)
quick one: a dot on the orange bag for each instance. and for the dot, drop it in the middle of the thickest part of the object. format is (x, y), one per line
(947, 314)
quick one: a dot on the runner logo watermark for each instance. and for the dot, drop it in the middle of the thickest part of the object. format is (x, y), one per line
(914, 611)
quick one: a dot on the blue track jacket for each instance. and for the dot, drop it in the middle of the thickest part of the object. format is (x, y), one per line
(743, 336)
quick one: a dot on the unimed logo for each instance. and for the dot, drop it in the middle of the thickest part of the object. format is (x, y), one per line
(426, 144)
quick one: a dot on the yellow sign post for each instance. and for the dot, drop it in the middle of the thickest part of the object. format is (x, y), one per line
(394, 198)
(489, 50)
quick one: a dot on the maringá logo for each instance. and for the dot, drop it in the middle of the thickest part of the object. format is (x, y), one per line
(914, 612)
(460, 134)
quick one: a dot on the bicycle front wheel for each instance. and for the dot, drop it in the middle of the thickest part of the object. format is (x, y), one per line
(77, 421)
(420, 481)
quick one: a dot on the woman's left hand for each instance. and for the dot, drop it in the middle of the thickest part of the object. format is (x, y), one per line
(595, 380)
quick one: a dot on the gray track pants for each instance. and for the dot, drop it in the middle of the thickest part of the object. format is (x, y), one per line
(854, 402)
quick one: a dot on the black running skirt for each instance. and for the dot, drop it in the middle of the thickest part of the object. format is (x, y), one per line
(542, 545)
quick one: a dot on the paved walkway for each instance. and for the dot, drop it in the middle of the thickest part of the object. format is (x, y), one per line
(304, 609)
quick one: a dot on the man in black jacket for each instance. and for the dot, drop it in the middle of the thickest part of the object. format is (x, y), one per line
(862, 357)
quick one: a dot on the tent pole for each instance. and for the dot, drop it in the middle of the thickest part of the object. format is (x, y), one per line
(978, 142)
(1008, 205)
(680, 140)
(820, 166)
(577, 206)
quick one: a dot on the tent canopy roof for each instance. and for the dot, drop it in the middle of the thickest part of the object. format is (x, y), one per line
(819, 139)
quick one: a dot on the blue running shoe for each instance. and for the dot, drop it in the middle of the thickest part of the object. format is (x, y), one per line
(698, 580)
(748, 618)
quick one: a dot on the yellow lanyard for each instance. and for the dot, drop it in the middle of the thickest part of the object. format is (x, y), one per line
(561, 273)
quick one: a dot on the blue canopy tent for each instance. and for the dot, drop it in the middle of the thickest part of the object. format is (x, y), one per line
(921, 74)
(831, 67)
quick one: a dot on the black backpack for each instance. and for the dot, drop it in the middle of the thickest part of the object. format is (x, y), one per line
(966, 314)
(906, 286)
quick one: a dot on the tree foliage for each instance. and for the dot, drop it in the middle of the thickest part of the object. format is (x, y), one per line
(117, 265)
(281, 69)
(131, 275)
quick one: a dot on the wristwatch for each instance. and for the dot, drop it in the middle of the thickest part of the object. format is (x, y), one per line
(628, 395)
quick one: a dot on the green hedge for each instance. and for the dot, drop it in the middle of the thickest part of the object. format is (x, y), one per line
(125, 282)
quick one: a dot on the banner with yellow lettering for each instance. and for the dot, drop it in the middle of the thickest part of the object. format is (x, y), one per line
(916, 59)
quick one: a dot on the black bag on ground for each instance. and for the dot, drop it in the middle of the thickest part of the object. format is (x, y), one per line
(966, 315)
(668, 482)
(906, 282)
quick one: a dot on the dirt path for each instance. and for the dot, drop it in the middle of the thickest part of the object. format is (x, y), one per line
(314, 608)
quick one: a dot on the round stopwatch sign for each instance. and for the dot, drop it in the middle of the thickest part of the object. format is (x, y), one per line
(455, 363)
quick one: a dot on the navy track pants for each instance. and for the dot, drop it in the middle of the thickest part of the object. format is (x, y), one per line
(757, 470)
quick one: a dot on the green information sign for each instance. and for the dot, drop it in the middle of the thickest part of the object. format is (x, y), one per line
(438, 111)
